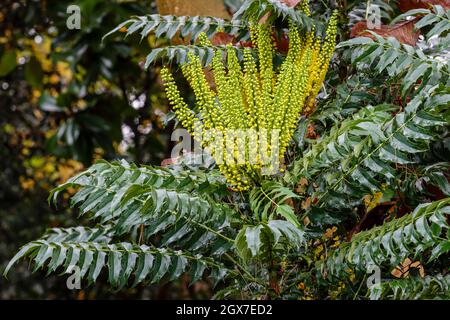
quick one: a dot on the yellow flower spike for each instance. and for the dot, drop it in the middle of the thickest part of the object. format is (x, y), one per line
(324, 58)
(235, 80)
(286, 80)
(252, 91)
(193, 71)
(265, 46)
(296, 102)
(257, 105)
(304, 6)
(222, 88)
(330, 40)
(314, 67)
(204, 40)
(182, 111)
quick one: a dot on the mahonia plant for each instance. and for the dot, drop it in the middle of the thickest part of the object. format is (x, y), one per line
(313, 234)
(247, 116)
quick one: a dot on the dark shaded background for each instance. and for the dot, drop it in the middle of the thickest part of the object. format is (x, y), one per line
(67, 99)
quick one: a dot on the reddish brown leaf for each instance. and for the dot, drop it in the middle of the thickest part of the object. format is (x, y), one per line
(402, 31)
(406, 5)
(306, 221)
(306, 204)
(311, 132)
(282, 43)
(274, 285)
(303, 182)
(301, 187)
(248, 44)
(290, 203)
(290, 3)
(168, 161)
(222, 38)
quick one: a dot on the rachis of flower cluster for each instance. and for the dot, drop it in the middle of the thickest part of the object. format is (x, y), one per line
(246, 119)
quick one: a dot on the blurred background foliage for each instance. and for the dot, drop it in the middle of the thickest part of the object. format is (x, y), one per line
(67, 99)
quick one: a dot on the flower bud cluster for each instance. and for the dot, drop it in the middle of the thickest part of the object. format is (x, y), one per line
(253, 96)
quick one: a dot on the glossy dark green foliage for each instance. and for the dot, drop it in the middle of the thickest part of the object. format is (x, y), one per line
(430, 287)
(380, 131)
(185, 26)
(424, 230)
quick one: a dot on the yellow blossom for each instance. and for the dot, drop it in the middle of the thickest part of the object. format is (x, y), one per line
(252, 96)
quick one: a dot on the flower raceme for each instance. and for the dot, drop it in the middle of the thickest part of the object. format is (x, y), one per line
(246, 119)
